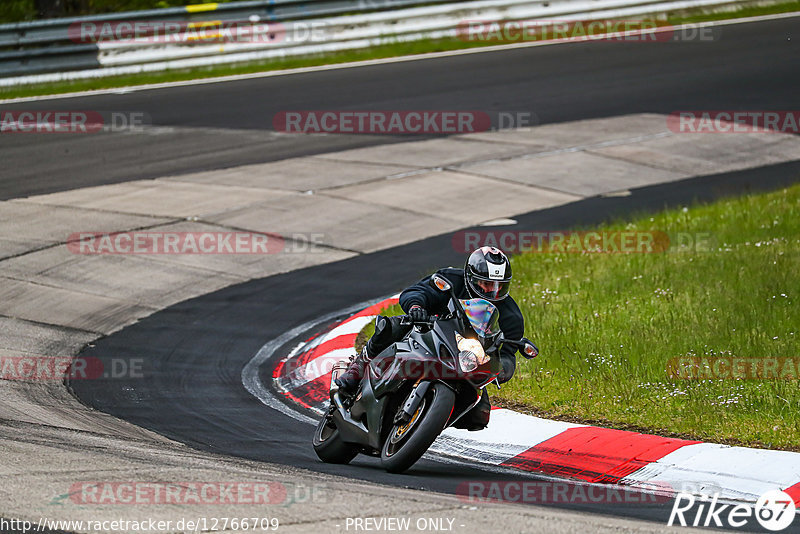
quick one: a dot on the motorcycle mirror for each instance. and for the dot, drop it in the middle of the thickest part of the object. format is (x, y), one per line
(529, 350)
(440, 283)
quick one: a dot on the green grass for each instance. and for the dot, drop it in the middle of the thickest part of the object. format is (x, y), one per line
(389, 49)
(608, 324)
(754, 10)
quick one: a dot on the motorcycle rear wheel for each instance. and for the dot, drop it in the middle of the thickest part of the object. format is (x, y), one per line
(407, 443)
(329, 445)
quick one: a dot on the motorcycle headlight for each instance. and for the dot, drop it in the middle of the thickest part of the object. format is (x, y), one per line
(471, 353)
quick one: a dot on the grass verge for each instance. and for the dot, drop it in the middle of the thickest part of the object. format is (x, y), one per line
(608, 326)
(390, 49)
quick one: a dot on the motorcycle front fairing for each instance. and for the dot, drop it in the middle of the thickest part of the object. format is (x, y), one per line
(420, 356)
(432, 355)
(356, 425)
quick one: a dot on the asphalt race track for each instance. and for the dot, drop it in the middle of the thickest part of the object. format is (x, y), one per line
(213, 126)
(194, 351)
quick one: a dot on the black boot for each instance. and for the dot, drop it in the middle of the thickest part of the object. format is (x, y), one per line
(349, 380)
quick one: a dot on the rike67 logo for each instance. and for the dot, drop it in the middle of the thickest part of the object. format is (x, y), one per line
(774, 511)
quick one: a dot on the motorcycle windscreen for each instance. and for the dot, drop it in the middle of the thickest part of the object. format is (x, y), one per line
(483, 316)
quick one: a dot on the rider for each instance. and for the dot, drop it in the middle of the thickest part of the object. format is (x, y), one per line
(486, 275)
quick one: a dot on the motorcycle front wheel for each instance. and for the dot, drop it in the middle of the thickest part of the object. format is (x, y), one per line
(329, 445)
(408, 442)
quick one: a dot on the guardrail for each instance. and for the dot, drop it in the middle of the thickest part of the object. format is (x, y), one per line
(47, 45)
(238, 32)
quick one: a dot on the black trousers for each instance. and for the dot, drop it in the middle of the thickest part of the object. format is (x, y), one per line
(388, 330)
(478, 417)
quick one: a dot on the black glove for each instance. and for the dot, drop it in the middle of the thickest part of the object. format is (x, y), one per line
(418, 314)
(509, 366)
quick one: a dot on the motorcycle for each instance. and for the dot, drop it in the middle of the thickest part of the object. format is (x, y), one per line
(418, 386)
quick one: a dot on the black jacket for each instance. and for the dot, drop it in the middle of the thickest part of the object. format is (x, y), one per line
(435, 302)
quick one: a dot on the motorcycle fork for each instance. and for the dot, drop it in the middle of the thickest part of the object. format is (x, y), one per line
(412, 402)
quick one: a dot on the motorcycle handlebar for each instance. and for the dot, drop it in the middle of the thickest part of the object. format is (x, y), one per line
(524, 345)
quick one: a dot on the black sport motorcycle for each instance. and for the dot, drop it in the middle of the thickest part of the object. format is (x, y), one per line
(417, 387)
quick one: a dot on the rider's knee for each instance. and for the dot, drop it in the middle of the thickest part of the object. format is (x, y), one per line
(387, 331)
